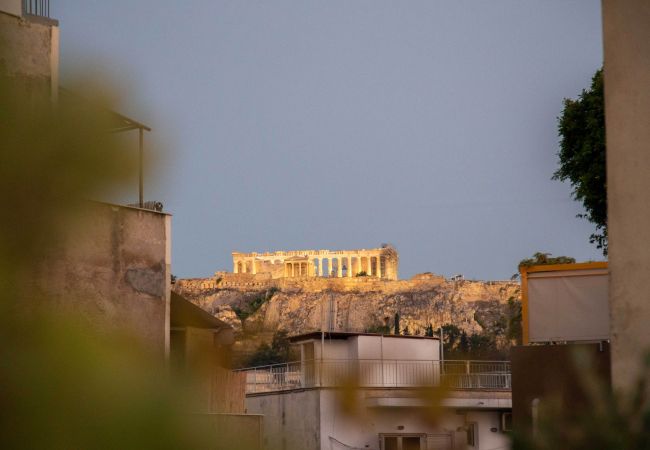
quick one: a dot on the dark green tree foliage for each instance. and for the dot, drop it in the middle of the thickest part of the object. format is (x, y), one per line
(396, 326)
(513, 329)
(458, 344)
(582, 155)
(276, 353)
(429, 331)
(378, 329)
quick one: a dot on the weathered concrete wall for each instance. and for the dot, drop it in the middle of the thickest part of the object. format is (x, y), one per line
(291, 419)
(230, 431)
(29, 51)
(113, 270)
(626, 26)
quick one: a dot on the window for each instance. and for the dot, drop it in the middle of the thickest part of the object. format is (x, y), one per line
(403, 442)
(506, 421)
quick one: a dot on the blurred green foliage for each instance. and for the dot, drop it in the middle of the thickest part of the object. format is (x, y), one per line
(608, 420)
(64, 384)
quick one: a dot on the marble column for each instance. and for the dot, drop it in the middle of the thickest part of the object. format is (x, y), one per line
(369, 266)
(349, 262)
(320, 267)
(378, 266)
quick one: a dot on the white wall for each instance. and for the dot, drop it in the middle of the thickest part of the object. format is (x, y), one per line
(362, 428)
(411, 348)
(336, 349)
(486, 420)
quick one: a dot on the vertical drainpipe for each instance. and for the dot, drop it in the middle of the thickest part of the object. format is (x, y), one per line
(381, 346)
(441, 369)
(141, 180)
(322, 354)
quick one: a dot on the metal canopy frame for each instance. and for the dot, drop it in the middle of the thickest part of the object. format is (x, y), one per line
(123, 124)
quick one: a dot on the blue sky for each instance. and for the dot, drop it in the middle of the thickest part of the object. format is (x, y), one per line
(431, 125)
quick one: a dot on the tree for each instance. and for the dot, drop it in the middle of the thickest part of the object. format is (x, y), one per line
(396, 330)
(540, 258)
(582, 155)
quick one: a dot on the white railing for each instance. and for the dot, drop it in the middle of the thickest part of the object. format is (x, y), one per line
(487, 375)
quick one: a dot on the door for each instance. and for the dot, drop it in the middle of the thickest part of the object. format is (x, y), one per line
(308, 364)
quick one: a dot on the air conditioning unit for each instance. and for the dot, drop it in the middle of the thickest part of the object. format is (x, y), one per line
(506, 421)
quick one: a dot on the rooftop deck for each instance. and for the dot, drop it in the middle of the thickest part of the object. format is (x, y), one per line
(377, 373)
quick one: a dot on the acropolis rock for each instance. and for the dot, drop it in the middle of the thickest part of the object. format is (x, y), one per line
(282, 293)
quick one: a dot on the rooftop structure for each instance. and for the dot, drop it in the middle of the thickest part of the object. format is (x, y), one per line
(385, 377)
(332, 359)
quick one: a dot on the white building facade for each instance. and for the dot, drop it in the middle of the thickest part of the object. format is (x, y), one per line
(364, 391)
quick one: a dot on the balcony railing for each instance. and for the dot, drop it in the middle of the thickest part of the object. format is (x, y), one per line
(483, 375)
(37, 7)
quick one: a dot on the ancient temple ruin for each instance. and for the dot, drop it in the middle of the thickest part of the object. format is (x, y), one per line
(377, 262)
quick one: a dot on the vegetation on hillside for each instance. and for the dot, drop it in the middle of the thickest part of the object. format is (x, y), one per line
(251, 306)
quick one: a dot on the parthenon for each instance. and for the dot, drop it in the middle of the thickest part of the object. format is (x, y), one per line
(377, 262)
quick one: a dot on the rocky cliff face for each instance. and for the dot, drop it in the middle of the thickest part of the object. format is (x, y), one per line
(297, 306)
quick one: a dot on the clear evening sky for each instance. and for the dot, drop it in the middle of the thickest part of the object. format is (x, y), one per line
(431, 125)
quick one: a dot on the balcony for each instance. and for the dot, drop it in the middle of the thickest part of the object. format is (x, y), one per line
(40, 8)
(377, 373)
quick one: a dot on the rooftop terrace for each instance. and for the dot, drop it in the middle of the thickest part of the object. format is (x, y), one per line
(379, 373)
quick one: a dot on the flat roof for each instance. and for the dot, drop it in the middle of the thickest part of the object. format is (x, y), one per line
(184, 313)
(347, 334)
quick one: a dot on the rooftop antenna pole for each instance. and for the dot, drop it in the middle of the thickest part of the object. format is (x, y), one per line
(141, 149)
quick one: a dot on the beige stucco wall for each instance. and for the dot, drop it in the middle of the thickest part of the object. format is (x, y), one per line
(29, 51)
(626, 27)
(113, 271)
(13, 7)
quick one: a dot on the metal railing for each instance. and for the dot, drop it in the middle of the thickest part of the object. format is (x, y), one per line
(37, 7)
(484, 375)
